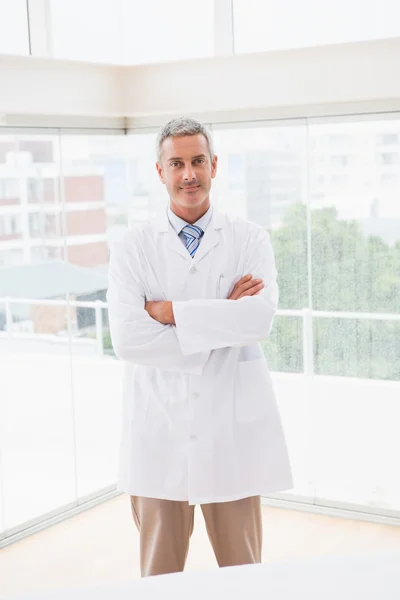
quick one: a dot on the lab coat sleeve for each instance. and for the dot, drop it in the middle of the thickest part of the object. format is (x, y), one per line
(137, 337)
(210, 324)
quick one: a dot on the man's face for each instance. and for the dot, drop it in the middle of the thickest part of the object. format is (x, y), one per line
(186, 169)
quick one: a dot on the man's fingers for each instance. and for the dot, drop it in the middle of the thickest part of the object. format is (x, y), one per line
(254, 291)
(244, 279)
(246, 286)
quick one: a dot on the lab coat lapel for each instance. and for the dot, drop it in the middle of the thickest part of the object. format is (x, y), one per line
(210, 238)
(175, 243)
(172, 239)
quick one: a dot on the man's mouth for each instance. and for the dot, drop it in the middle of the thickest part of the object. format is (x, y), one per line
(192, 188)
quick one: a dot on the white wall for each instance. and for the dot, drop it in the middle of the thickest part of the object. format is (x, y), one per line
(303, 82)
(56, 87)
(338, 79)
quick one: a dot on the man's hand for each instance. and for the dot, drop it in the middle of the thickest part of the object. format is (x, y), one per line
(247, 286)
(161, 312)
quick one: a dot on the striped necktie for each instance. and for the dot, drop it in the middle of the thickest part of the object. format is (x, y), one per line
(192, 235)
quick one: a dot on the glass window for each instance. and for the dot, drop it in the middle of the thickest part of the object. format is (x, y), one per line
(94, 177)
(160, 30)
(131, 31)
(14, 37)
(57, 354)
(355, 246)
(33, 345)
(284, 24)
(86, 30)
(55, 250)
(354, 225)
(261, 177)
(146, 193)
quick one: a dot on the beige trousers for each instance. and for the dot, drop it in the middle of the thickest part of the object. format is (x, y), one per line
(165, 526)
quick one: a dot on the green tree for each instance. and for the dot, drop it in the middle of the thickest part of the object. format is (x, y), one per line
(350, 272)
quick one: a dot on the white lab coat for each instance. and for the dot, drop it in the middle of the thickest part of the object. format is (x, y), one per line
(200, 419)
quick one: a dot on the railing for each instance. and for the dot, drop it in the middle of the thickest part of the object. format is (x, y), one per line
(306, 314)
(97, 306)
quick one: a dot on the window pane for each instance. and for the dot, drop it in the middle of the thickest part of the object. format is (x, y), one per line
(85, 30)
(355, 247)
(162, 30)
(131, 32)
(261, 177)
(282, 24)
(94, 177)
(14, 38)
(355, 214)
(35, 386)
(146, 193)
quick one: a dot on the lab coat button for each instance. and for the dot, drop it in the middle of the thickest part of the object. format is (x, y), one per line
(195, 395)
(193, 438)
(193, 270)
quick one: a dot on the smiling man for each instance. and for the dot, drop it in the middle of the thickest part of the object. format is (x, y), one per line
(191, 295)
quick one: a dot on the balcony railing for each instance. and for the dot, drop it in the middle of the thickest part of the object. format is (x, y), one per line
(98, 306)
(306, 314)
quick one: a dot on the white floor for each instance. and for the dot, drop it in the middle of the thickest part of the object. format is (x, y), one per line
(100, 546)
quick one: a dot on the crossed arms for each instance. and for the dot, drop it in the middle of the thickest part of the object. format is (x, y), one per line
(179, 336)
(163, 312)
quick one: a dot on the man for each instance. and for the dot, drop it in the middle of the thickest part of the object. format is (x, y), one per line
(191, 295)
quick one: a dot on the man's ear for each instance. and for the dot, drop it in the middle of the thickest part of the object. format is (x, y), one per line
(214, 163)
(160, 172)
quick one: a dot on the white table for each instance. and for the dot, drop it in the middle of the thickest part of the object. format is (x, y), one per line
(369, 577)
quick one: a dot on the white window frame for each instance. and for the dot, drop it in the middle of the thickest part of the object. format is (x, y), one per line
(39, 28)
(224, 41)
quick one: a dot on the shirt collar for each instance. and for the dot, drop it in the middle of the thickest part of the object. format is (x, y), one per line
(178, 224)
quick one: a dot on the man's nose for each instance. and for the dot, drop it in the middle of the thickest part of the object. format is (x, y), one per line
(189, 173)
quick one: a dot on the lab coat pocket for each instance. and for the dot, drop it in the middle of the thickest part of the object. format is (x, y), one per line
(254, 391)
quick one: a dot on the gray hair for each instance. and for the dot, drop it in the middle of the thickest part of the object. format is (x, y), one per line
(180, 127)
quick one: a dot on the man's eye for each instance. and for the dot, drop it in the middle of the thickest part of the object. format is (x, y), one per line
(174, 164)
(199, 160)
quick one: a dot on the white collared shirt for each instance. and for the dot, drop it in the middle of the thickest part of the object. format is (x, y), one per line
(178, 224)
